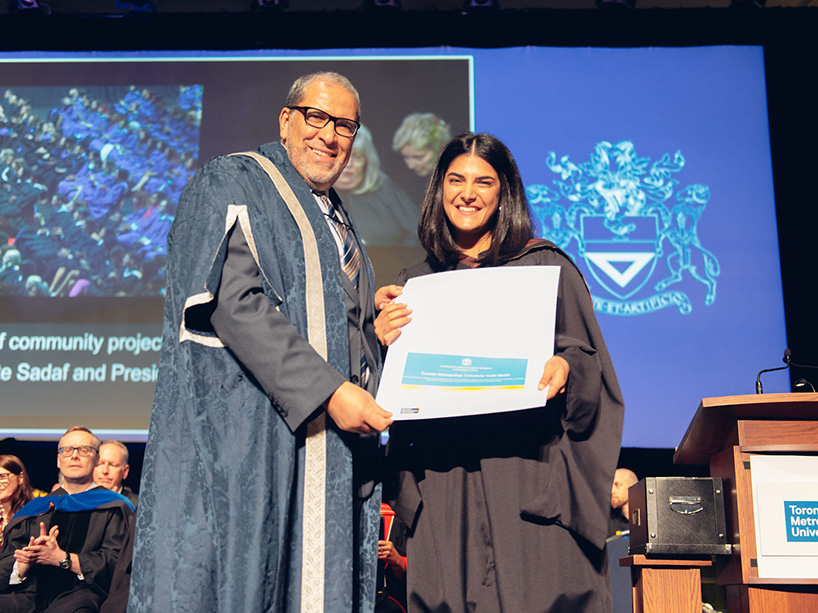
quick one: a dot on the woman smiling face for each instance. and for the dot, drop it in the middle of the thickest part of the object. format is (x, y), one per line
(9, 482)
(471, 198)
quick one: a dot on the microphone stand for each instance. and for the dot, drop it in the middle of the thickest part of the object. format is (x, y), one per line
(786, 359)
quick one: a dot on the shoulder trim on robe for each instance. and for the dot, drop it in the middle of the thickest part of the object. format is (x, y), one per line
(236, 214)
(187, 335)
(312, 544)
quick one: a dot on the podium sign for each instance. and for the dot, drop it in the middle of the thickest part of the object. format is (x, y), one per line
(785, 492)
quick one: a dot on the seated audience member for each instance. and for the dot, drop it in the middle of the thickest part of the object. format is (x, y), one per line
(35, 286)
(60, 550)
(623, 479)
(113, 469)
(15, 489)
(11, 277)
(391, 596)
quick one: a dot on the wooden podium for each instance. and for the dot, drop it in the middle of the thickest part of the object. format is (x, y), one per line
(724, 433)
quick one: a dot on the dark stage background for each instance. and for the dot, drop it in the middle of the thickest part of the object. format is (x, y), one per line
(790, 51)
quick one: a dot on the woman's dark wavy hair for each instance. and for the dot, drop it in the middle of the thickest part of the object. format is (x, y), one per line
(24, 492)
(512, 224)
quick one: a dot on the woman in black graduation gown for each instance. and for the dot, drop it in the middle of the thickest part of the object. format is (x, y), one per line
(506, 512)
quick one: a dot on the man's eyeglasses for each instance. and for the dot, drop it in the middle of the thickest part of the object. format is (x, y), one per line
(83, 450)
(4, 477)
(318, 119)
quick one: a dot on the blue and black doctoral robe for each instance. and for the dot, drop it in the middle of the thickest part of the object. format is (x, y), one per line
(92, 524)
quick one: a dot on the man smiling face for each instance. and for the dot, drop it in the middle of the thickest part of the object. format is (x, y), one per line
(319, 154)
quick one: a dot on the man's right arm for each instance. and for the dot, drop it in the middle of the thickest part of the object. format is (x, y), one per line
(290, 371)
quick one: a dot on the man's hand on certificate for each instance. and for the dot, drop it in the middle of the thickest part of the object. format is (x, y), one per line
(355, 410)
(554, 375)
(392, 316)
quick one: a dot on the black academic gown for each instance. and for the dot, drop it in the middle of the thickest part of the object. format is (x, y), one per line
(96, 536)
(130, 495)
(509, 512)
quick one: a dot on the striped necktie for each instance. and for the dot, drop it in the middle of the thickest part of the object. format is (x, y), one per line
(351, 257)
(350, 262)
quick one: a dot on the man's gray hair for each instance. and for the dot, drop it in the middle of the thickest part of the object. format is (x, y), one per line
(122, 448)
(298, 89)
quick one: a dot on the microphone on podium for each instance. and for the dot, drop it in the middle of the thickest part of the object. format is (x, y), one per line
(802, 385)
(787, 361)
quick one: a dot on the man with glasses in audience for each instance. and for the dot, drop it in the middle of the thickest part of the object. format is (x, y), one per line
(258, 484)
(60, 550)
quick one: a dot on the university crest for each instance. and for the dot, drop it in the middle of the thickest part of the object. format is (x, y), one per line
(627, 223)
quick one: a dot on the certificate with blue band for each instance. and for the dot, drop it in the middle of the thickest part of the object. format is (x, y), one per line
(477, 343)
(463, 372)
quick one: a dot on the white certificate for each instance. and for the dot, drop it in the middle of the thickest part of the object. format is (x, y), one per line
(477, 343)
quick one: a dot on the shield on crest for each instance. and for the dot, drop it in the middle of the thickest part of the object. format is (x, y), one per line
(621, 253)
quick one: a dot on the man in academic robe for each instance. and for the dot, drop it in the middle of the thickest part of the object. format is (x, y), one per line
(258, 484)
(60, 550)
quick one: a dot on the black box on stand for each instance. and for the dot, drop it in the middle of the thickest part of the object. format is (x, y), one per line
(677, 516)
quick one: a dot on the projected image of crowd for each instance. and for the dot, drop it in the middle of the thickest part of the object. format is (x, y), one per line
(88, 188)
